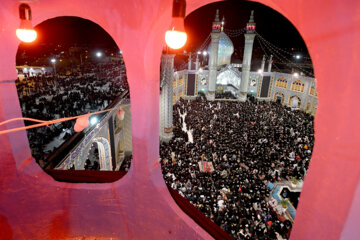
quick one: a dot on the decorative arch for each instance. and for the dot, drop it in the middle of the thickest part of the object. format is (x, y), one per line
(292, 99)
(104, 154)
(279, 95)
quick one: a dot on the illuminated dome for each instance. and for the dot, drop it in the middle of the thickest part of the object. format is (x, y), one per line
(226, 49)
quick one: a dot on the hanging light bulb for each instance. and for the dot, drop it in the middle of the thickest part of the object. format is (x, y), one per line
(176, 36)
(25, 32)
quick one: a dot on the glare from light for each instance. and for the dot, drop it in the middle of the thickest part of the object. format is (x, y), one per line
(200, 69)
(260, 71)
(53, 60)
(175, 39)
(204, 53)
(199, 52)
(295, 74)
(26, 35)
(298, 56)
(98, 54)
(93, 121)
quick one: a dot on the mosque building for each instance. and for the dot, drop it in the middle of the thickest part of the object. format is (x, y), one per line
(293, 90)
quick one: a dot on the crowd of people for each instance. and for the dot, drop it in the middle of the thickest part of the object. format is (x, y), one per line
(247, 145)
(87, 88)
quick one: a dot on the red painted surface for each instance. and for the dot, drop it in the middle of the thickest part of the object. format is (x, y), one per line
(139, 206)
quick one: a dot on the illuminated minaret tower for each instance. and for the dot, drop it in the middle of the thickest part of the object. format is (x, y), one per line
(166, 97)
(215, 36)
(245, 72)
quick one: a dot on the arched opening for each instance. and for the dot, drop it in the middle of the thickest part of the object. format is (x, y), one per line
(98, 156)
(231, 158)
(294, 102)
(93, 158)
(75, 68)
(279, 97)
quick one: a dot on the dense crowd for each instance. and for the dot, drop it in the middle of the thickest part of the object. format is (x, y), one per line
(225, 95)
(89, 88)
(250, 145)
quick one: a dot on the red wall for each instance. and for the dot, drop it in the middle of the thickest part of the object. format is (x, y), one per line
(34, 206)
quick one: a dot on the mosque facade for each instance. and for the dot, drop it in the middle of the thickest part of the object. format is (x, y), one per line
(292, 90)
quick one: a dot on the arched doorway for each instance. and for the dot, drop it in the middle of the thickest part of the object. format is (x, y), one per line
(100, 149)
(294, 102)
(279, 97)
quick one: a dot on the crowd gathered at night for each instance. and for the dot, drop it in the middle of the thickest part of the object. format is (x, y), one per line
(87, 88)
(250, 144)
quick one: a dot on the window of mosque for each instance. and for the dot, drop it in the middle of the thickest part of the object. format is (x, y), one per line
(281, 83)
(82, 74)
(297, 86)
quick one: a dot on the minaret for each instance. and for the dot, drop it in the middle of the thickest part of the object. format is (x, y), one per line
(197, 63)
(215, 37)
(263, 63)
(270, 63)
(245, 72)
(166, 96)
(189, 62)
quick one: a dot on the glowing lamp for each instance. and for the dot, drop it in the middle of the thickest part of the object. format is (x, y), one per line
(120, 114)
(25, 32)
(176, 36)
(93, 120)
(81, 123)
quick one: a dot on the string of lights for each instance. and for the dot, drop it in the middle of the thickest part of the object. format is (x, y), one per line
(234, 32)
(267, 55)
(283, 59)
(202, 48)
(280, 49)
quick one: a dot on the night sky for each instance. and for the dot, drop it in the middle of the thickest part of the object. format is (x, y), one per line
(269, 23)
(70, 30)
(74, 31)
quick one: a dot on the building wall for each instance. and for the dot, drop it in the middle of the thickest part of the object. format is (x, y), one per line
(308, 101)
(288, 92)
(179, 85)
